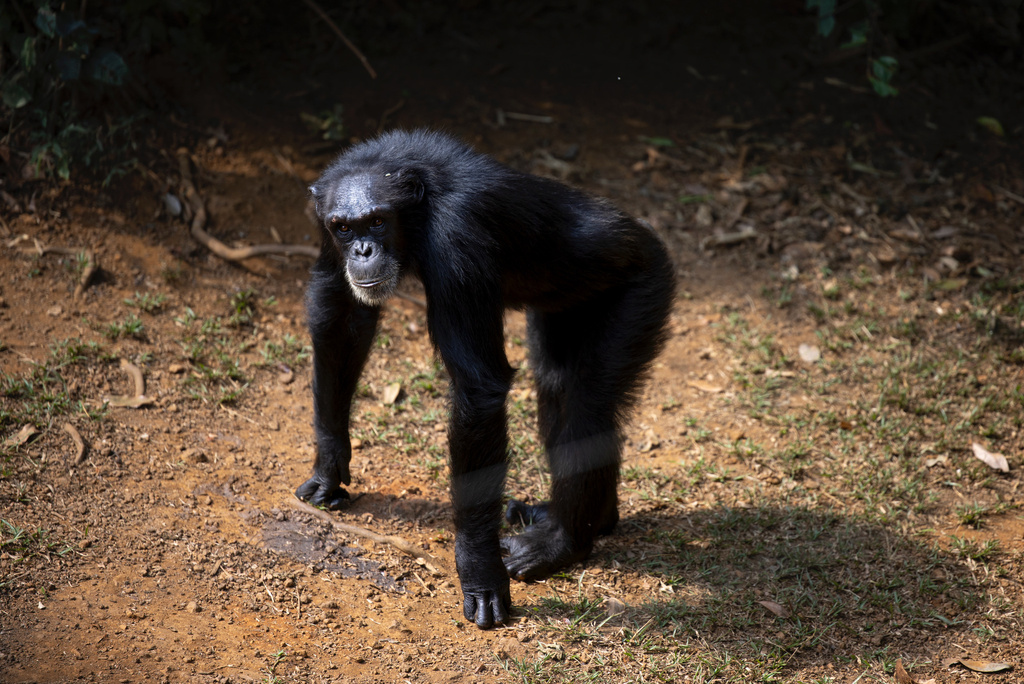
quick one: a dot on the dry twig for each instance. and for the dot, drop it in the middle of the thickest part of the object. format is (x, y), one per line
(348, 43)
(88, 270)
(530, 118)
(139, 399)
(719, 239)
(1007, 194)
(429, 562)
(388, 112)
(198, 227)
(79, 443)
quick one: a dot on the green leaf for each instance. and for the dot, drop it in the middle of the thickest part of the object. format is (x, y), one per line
(25, 48)
(950, 284)
(68, 23)
(16, 97)
(882, 88)
(46, 22)
(68, 66)
(106, 66)
(890, 64)
(992, 125)
(63, 167)
(693, 199)
(883, 70)
(826, 25)
(658, 142)
(826, 15)
(858, 36)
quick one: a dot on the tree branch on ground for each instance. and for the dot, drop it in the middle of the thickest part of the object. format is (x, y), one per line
(429, 562)
(198, 226)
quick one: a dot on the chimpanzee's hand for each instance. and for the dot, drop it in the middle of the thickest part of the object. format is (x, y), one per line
(485, 586)
(519, 513)
(485, 594)
(330, 470)
(320, 493)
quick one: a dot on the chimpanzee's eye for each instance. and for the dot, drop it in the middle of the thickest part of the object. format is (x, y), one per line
(377, 222)
(339, 225)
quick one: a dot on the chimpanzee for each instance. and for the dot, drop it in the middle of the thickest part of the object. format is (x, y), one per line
(597, 287)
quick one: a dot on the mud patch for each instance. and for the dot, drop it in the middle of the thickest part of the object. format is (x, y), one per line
(296, 541)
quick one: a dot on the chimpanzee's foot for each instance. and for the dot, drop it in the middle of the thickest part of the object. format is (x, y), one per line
(544, 547)
(541, 550)
(524, 515)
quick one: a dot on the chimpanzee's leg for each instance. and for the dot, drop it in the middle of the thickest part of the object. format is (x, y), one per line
(589, 363)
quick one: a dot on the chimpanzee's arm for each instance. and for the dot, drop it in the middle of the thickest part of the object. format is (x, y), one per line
(469, 336)
(342, 331)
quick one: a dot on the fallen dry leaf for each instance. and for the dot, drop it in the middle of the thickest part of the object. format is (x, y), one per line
(932, 462)
(775, 608)
(286, 375)
(901, 675)
(992, 460)
(648, 444)
(978, 665)
(885, 255)
(24, 434)
(950, 284)
(709, 319)
(985, 665)
(809, 353)
(705, 386)
(905, 234)
(614, 606)
(391, 392)
(552, 651)
(799, 251)
(800, 401)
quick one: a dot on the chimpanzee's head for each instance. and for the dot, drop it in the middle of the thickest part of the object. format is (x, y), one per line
(360, 209)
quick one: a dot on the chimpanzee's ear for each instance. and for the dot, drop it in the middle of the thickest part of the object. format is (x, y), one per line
(315, 195)
(410, 179)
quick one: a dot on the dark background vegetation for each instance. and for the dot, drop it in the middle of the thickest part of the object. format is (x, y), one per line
(85, 84)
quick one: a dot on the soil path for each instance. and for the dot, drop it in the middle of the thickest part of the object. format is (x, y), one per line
(171, 550)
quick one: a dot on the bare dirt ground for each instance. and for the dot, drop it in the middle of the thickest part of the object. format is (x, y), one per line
(800, 498)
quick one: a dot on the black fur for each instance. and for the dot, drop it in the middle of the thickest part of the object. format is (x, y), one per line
(597, 286)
